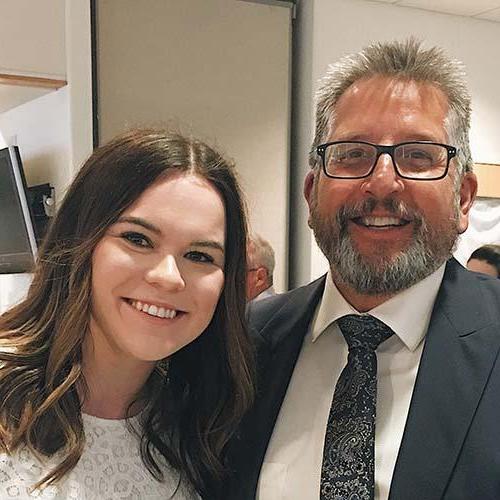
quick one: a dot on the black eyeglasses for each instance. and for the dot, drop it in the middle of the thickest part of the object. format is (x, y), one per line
(417, 160)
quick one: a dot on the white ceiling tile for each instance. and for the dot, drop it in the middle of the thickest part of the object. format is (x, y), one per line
(458, 7)
(479, 9)
(492, 15)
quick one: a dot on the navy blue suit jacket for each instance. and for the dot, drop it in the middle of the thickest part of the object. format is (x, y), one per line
(451, 443)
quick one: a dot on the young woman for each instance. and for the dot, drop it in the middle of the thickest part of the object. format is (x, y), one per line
(127, 368)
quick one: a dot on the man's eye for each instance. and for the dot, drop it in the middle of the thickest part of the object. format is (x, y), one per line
(355, 153)
(418, 155)
(349, 155)
(199, 257)
(136, 239)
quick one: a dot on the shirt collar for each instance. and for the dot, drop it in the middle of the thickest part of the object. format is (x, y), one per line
(268, 292)
(408, 313)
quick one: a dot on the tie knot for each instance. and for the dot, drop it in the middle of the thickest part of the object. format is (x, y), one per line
(363, 331)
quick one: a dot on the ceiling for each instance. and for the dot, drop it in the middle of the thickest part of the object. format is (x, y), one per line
(477, 9)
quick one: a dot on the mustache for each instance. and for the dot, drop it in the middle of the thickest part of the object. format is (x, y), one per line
(364, 208)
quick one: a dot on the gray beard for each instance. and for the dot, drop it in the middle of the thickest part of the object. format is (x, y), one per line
(383, 274)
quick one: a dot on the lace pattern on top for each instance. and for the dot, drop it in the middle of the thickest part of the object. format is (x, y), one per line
(110, 468)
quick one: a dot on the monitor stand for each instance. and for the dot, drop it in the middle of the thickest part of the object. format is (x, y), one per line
(42, 203)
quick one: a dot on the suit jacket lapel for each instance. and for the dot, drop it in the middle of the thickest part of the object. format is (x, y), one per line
(281, 341)
(460, 349)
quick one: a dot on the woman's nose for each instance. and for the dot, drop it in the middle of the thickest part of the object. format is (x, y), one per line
(166, 273)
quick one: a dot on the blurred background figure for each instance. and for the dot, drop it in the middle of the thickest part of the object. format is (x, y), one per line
(260, 268)
(486, 260)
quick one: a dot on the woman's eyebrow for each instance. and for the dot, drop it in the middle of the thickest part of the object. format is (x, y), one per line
(140, 222)
(208, 244)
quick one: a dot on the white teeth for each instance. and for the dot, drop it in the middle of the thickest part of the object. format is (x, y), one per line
(382, 221)
(153, 310)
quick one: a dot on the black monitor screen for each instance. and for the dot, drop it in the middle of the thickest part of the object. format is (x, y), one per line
(17, 239)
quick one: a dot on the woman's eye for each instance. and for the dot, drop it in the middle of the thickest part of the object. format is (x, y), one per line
(136, 239)
(199, 257)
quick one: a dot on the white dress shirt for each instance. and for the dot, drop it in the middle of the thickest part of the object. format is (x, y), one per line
(292, 465)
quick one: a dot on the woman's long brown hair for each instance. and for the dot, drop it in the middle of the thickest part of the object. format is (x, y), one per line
(194, 406)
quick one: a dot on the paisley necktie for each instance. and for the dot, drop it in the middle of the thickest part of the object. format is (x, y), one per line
(348, 470)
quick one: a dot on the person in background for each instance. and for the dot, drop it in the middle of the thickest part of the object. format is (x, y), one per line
(260, 268)
(127, 368)
(486, 260)
(381, 379)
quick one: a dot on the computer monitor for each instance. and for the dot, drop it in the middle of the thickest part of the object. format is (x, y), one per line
(18, 245)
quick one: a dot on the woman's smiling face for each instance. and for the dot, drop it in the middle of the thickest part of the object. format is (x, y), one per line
(158, 272)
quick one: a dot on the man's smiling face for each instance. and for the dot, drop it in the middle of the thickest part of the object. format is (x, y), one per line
(382, 233)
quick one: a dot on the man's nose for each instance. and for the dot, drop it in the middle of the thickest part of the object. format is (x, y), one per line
(166, 273)
(384, 180)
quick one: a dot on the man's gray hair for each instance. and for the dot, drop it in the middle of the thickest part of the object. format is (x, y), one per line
(261, 254)
(406, 60)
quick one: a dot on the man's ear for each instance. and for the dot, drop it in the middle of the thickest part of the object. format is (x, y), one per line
(309, 192)
(261, 276)
(468, 191)
(309, 187)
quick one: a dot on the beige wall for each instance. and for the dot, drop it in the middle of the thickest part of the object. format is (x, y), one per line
(79, 76)
(217, 69)
(32, 37)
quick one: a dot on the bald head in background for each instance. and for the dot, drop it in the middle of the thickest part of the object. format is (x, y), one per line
(260, 268)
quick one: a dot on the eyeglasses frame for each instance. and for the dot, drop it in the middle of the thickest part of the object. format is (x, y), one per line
(381, 149)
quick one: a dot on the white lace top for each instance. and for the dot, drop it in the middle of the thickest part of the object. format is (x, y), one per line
(110, 468)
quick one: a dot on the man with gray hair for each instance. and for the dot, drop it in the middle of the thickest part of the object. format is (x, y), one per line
(260, 268)
(381, 380)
